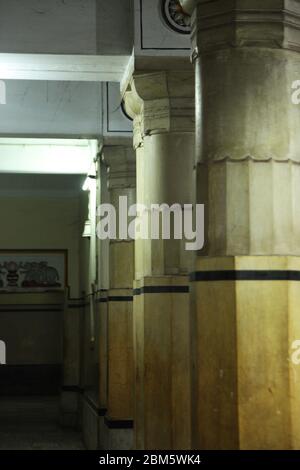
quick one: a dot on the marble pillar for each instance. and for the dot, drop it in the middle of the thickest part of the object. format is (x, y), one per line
(246, 286)
(162, 106)
(121, 182)
(103, 286)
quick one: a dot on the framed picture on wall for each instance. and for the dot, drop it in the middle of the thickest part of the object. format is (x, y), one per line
(33, 270)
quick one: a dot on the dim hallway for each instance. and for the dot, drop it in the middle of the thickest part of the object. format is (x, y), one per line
(39, 277)
(150, 225)
(32, 423)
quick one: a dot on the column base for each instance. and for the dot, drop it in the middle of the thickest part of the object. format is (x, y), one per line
(69, 407)
(162, 363)
(246, 392)
(90, 419)
(115, 434)
(120, 354)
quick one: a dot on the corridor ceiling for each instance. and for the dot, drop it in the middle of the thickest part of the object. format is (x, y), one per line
(54, 54)
(51, 108)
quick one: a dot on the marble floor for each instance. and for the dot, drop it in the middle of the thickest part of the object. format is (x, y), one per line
(31, 423)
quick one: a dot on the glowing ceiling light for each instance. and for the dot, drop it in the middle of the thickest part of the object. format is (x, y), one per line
(88, 183)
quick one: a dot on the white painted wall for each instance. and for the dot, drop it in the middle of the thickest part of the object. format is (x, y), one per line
(39, 221)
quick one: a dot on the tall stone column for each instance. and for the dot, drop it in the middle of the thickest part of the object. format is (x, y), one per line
(162, 105)
(121, 181)
(246, 286)
(101, 306)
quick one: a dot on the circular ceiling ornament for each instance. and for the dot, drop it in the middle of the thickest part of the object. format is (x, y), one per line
(175, 17)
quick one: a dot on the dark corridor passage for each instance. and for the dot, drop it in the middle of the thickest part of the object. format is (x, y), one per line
(32, 423)
(31, 324)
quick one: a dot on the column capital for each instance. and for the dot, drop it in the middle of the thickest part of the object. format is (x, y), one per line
(133, 105)
(161, 102)
(120, 163)
(219, 24)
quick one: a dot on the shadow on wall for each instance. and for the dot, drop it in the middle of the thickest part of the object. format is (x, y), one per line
(31, 326)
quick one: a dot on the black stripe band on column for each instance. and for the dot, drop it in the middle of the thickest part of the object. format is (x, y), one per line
(118, 423)
(245, 275)
(103, 300)
(161, 290)
(77, 305)
(98, 410)
(120, 298)
(72, 388)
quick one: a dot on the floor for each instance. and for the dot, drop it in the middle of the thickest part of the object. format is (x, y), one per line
(31, 423)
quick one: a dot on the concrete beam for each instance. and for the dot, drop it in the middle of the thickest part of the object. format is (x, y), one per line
(62, 67)
(51, 156)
